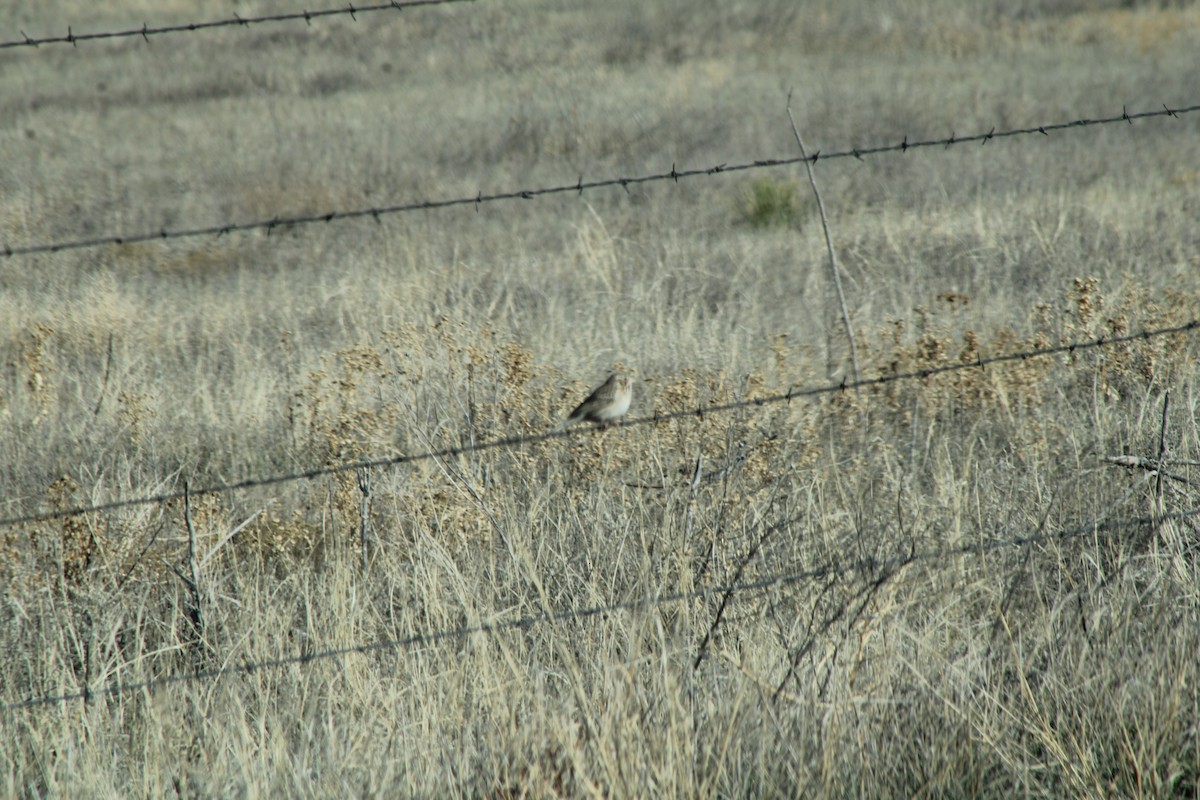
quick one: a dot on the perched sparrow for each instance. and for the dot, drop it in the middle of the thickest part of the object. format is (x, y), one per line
(606, 404)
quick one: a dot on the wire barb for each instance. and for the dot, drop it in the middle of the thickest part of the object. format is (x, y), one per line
(146, 31)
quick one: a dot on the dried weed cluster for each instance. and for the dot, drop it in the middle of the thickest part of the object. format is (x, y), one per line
(410, 392)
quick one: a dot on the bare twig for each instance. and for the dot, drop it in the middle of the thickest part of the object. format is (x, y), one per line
(727, 595)
(231, 534)
(1162, 455)
(104, 384)
(1149, 465)
(833, 266)
(145, 548)
(695, 487)
(733, 462)
(1017, 579)
(364, 511)
(193, 583)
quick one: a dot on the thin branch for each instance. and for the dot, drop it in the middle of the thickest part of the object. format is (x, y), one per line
(194, 583)
(1162, 454)
(694, 490)
(364, 512)
(1149, 465)
(833, 266)
(104, 383)
(231, 534)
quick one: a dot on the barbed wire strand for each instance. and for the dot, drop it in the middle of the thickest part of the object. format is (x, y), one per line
(146, 31)
(763, 583)
(578, 187)
(655, 419)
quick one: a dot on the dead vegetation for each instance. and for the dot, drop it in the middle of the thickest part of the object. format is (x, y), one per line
(978, 583)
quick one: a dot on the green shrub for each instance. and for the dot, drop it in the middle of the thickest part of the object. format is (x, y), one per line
(767, 203)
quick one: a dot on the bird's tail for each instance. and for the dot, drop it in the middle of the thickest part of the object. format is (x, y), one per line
(566, 423)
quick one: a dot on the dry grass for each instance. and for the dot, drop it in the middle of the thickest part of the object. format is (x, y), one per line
(1062, 666)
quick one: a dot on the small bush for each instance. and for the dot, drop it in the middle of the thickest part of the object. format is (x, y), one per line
(767, 203)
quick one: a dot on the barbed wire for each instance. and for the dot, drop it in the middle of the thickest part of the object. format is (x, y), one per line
(578, 187)
(655, 419)
(763, 583)
(146, 31)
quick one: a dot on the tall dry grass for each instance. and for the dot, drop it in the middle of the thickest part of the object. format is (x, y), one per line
(914, 658)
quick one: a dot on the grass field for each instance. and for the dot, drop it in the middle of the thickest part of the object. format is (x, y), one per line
(978, 603)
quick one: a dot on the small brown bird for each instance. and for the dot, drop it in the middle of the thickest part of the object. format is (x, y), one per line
(607, 404)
